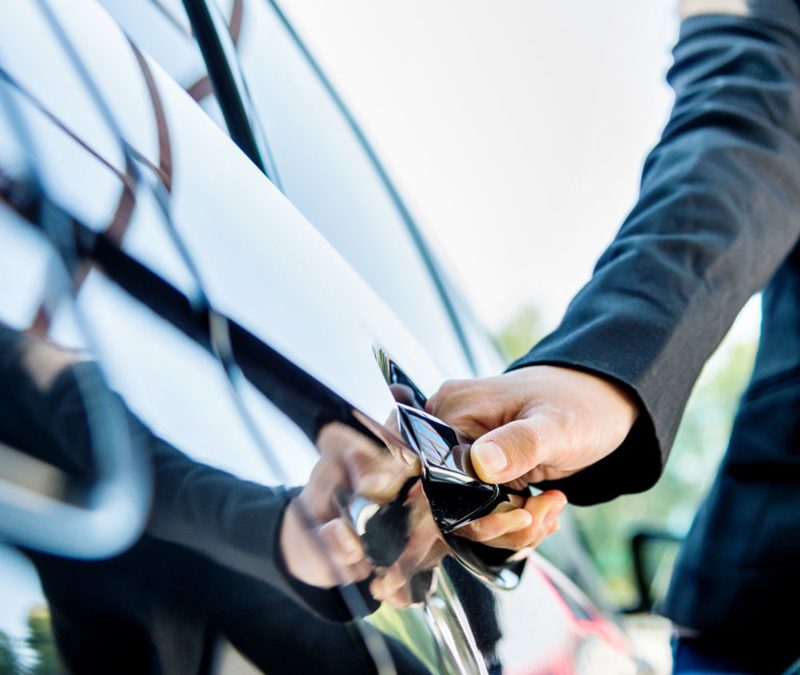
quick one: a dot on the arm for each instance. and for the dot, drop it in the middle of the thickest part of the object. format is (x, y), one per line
(714, 220)
(250, 528)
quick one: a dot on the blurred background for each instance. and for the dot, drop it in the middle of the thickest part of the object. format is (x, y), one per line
(517, 132)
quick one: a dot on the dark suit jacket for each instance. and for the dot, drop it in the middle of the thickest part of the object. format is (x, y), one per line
(717, 220)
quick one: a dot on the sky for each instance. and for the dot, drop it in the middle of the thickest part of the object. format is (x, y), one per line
(515, 129)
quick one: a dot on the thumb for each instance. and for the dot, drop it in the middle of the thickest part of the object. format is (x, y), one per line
(508, 452)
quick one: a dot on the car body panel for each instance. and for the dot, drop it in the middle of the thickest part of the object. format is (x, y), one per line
(197, 213)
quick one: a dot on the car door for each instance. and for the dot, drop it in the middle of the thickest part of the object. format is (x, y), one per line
(135, 178)
(206, 223)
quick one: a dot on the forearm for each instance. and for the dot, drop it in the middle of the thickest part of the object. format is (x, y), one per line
(234, 522)
(714, 220)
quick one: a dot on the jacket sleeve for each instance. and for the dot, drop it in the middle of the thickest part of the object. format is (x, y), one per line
(234, 522)
(716, 216)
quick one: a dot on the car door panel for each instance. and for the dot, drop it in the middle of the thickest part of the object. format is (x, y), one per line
(206, 225)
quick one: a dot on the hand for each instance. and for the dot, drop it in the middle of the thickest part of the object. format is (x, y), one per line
(424, 551)
(319, 547)
(44, 361)
(536, 423)
(520, 524)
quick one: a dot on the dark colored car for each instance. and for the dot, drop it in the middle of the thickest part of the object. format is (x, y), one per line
(241, 270)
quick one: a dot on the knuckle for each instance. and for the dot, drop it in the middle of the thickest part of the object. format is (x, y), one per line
(537, 475)
(532, 436)
(522, 538)
(450, 387)
(479, 531)
(452, 396)
(490, 530)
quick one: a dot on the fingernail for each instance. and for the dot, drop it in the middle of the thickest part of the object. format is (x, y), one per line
(490, 456)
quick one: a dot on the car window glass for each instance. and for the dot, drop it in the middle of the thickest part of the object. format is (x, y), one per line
(162, 29)
(322, 164)
(150, 363)
(326, 172)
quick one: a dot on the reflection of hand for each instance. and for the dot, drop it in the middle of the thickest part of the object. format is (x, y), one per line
(424, 551)
(533, 424)
(319, 547)
(44, 361)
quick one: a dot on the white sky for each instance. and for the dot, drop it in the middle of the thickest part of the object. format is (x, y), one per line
(516, 129)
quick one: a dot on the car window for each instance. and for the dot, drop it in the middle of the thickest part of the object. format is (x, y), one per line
(150, 362)
(162, 29)
(323, 163)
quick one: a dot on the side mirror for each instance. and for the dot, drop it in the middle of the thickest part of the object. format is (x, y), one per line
(653, 553)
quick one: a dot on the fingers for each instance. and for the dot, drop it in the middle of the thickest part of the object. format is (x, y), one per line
(465, 405)
(395, 584)
(324, 556)
(371, 470)
(496, 524)
(511, 451)
(344, 552)
(319, 547)
(341, 544)
(517, 529)
(511, 439)
(538, 422)
(509, 527)
(481, 409)
(424, 550)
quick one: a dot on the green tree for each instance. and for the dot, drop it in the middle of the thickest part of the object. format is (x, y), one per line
(672, 503)
(9, 663)
(519, 333)
(40, 641)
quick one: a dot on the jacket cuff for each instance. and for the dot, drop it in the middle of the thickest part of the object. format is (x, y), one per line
(327, 603)
(634, 466)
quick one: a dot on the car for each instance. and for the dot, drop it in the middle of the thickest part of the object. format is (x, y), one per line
(185, 198)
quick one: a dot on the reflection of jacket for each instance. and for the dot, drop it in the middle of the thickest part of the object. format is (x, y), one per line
(718, 219)
(210, 545)
(232, 521)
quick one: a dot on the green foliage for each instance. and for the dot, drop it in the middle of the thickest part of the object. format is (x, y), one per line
(410, 628)
(9, 663)
(40, 641)
(519, 333)
(671, 504)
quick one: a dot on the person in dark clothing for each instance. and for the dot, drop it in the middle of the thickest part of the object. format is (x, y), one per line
(593, 409)
(219, 556)
(161, 608)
